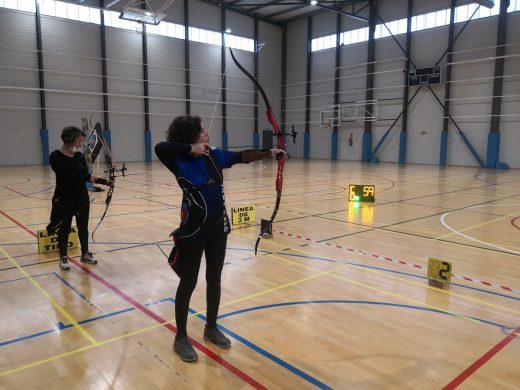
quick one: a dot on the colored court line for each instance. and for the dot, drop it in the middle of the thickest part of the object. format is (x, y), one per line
(152, 327)
(473, 367)
(392, 260)
(482, 360)
(450, 293)
(199, 314)
(208, 352)
(474, 226)
(443, 217)
(367, 286)
(51, 300)
(18, 223)
(399, 273)
(335, 301)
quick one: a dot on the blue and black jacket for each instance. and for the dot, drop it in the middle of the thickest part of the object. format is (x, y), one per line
(200, 178)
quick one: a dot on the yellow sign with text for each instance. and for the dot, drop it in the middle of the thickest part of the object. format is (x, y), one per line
(439, 270)
(242, 215)
(49, 243)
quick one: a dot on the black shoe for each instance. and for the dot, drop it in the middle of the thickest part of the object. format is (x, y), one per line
(184, 349)
(216, 337)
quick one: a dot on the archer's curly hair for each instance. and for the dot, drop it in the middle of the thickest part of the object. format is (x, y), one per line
(185, 129)
(69, 134)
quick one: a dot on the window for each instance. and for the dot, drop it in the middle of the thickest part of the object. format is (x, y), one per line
(72, 11)
(13, 4)
(402, 26)
(419, 22)
(61, 9)
(442, 18)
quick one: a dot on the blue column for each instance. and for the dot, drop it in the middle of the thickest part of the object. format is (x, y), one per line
(402, 147)
(493, 152)
(367, 146)
(108, 138)
(148, 144)
(334, 145)
(44, 136)
(306, 145)
(256, 140)
(444, 148)
(225, 140)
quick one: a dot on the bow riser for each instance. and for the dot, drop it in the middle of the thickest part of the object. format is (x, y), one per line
(280, 145)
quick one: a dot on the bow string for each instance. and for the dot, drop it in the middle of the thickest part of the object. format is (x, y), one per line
(280, 145)
(96, 142)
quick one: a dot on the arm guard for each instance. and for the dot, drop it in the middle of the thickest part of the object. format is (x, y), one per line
(254, 155)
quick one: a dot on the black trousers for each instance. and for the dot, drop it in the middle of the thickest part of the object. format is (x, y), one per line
(63, 209)
(189, 258)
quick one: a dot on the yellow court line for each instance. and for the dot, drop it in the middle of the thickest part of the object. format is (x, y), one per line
(382, 273)
(159, 325)
(52, 301)
(390, 293)
(475, 226)
(382, 226)
(132, 225)
(158, 220)
(78, 350)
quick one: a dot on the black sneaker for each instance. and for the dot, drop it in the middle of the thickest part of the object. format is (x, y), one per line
(216, 337)
(64, 264)
(184, 349)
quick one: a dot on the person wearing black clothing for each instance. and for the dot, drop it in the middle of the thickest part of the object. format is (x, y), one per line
(204, 223)
(70, 195)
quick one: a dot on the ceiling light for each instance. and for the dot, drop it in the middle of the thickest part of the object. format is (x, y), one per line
(228, 31)
(314, 2)
(142, 16)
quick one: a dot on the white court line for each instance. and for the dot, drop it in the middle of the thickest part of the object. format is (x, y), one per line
(474, 239)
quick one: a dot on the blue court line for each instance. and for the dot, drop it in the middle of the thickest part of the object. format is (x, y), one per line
(335, 301)
(400, 273)
(32, 276)
(254, 347)
(62, 326)
(265, 353)
(29, 241)
(12, 341)
(94, 217)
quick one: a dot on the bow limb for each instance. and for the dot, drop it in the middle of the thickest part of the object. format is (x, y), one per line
(280, 145)
(111, 176)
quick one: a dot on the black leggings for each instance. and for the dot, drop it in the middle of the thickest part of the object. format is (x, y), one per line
(190, 255)
(63, 209)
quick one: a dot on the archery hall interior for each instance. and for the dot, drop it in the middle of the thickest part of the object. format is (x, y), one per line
(291, 194)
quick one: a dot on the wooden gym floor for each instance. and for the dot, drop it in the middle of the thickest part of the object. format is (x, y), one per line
(338, 298)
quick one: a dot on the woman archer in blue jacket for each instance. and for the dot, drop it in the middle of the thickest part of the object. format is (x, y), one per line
(204, 223)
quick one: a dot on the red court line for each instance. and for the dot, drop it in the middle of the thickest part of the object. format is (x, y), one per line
(18, 223)
(212, 355)
(482, 360)
(18, 192)
(513, 222)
